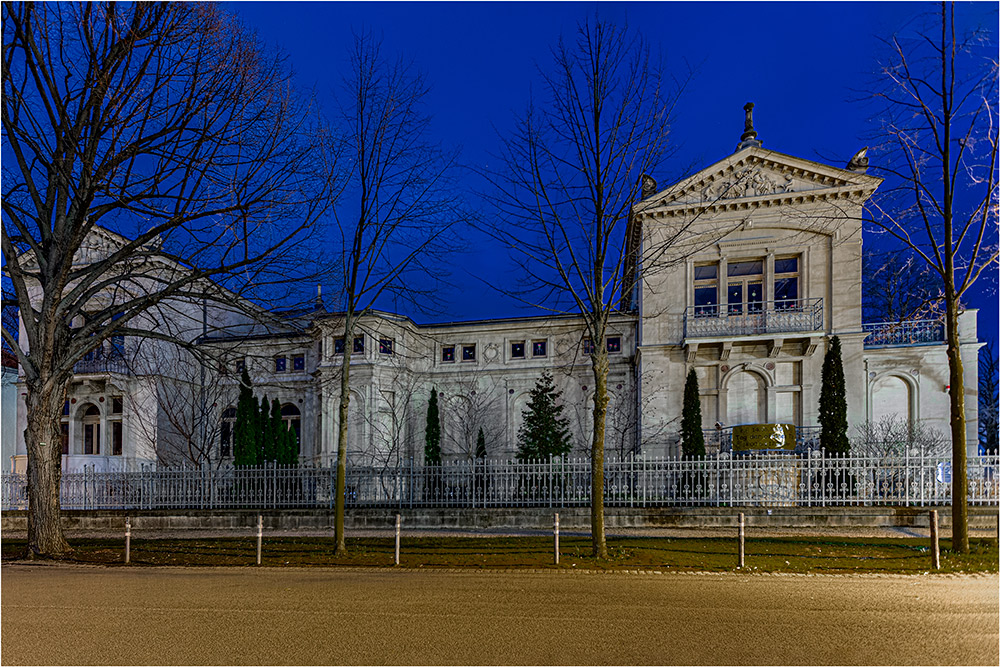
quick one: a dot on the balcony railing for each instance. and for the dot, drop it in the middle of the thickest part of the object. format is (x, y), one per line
(102, 363)
(900, 334)
(752, 319)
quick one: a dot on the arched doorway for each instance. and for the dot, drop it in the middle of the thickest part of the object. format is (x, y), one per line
(292, 418)
(891, 399)
(745, 399)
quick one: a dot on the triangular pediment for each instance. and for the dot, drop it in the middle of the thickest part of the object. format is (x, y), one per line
(757, 174)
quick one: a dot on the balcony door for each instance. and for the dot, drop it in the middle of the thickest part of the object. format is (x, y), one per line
(745, 287)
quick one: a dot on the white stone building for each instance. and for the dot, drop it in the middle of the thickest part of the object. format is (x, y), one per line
(763, 268)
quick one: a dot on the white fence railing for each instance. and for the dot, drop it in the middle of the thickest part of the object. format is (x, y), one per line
(761, 479)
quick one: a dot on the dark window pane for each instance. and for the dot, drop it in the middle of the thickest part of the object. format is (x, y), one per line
(359, 344)
(517, 350)
(280, 364)
(468, 353)
(786, 291)
(299, 362)
(706, 272)
(385, 346)
(753, 268)
(614, 344)
(338, 345)
(448, 353)
(588, 346)
(92, 411)
(538, 348)
(240, 365)
(117, 346)
(755, 297)
(64, 433)
(66, 408)
(116, 438)
(706, 296)
(116, 405)
(786, 265)
(226, 439)
(289, 410)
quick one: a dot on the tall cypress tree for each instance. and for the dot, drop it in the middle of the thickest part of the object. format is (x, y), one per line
(276, 436)
(545, 432)
(833, 402)
(481, 444)
(432, 435)
(692, 437)
(245, 430)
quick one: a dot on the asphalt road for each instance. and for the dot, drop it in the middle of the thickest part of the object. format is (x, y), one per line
(90, 615)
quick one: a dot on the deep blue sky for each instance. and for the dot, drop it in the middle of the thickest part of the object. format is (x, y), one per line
(800, 63)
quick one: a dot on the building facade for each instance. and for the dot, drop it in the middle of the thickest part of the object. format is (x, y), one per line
(744, 272)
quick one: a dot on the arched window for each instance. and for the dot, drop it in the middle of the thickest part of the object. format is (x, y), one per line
(226, 432)
(91, 429)
(292, 418)
(891, 398)
(745, 398)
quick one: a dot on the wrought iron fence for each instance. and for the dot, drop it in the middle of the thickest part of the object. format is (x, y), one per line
(897, 334)
(761, 479)
(750, 319)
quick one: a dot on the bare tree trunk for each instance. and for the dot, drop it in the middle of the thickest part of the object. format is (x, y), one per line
(956, 376)
(345, 401)
(599, 363)
(44, 443)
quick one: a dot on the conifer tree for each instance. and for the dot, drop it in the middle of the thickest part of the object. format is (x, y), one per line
(275, 431)
(692, 437)
(833, 402)
(266, 452)
(545, 432)
(432, 435)
(481, 444)
(246, 429)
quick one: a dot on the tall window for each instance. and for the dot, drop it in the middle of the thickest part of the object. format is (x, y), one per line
(115, 423)
(92, 430)
(706, 290)
(292, 419)
(786, 282)
(226, 432)
(745, 291)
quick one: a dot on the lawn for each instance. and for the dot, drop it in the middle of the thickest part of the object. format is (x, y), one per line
(779, 554)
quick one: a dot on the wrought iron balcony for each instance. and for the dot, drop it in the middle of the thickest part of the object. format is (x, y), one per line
(753, 319)
(901, 334)
(111, 362)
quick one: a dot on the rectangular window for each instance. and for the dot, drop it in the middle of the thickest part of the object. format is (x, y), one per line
(750, 268)
(517, 350)
(240, 365)
(468, 353)
(226, 438)
(298, 362)
(614, 344)
(588, 346)
(448, 353)
(385, 346)
(116, 438)
(706, 290)
(66, 408)
(786, 283)
(359, 345)
(280, 364)
(538, 348)
(338, 345)
(64, 433)
(91, 438)
(745, 291)
(116, 405)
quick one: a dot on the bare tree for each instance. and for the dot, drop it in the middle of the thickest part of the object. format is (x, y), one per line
(938, 126)
(892, 437)
(398, 206)
(898, 287)
(570, 173)
(170, 125)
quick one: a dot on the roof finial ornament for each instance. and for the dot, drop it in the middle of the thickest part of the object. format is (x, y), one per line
(749, 136)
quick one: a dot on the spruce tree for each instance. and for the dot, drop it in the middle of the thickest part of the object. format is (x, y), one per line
(481, 444)
(692, 437)
(833, 402)
(545, 432)
(245, 430)
(432, 435)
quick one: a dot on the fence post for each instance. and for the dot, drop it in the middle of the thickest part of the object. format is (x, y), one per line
(550, 481)
(398, 520)
(742, 538)
(128, 540)
(555, 531)
(274, 485)
(935, 546)
(260, 534)
(822, 476)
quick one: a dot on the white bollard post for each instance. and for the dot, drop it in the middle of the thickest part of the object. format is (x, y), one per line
(398, 521)
(128, 540)
(260, 534)
(742, 539)
(935, 547)
(555, 531)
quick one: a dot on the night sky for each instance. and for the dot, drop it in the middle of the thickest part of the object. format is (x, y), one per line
(801, 63)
